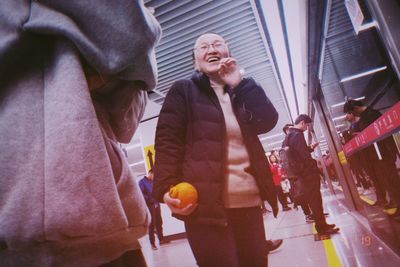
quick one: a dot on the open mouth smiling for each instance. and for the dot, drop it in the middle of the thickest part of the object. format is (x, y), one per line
(213, 59)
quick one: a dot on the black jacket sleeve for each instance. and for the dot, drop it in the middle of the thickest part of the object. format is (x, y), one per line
(301, 152)
(170, 141)
(300, 147)
(254, 106)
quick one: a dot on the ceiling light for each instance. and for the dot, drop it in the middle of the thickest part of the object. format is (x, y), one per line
(271, 136)
(362, 74)
(277, 142)
(342, 103)
(136, 163)
(133, 146)
(339, 118)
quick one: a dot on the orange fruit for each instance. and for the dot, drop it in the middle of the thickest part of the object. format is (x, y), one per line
(185, 192)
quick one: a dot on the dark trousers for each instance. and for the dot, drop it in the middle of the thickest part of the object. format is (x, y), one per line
(388, 171)
(132, 258)
(155, 223)
(357, 170)
(303, 204)
(239, 244)
(312, 194)
(372, 167)
(306, 208)
(281, 196)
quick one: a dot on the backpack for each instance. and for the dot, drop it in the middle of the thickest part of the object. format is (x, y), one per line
(287, 163)
(291, 168)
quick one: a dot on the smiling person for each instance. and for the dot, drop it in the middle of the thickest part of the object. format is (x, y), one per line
(207, 136)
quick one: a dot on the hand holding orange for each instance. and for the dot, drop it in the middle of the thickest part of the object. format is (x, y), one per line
(185, 192)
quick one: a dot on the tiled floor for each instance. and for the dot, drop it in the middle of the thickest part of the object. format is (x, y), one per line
(355, 245)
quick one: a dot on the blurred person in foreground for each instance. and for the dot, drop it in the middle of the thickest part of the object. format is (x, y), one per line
(73, 80)
(307, 172)
(207, 136)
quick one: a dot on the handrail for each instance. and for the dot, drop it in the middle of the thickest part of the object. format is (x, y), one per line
(385, 125)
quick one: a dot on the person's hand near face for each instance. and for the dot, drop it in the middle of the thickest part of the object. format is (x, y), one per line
(313, 146)
(229, 72)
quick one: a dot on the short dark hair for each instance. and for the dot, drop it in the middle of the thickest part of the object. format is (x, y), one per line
(286, 127)
(351, 104)
(303, 117)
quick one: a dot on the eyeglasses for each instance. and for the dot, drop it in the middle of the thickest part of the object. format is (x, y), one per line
(204, 47)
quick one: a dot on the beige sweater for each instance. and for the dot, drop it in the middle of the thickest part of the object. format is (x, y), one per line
(240, 188)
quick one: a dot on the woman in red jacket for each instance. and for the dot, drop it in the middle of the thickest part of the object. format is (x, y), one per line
(277, 177)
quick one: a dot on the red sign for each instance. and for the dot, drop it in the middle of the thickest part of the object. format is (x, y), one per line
(384, 126)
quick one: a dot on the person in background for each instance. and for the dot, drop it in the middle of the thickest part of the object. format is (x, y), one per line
(355, 160)
(330, 167)
(277, 177)
(276, 154)
(304, 206)
(382, 170)
(307, 172)
(207, 136)
(74, 76)
(146, 186)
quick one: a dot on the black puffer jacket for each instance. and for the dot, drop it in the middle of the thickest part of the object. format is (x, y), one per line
(190, 142)
(300, 154)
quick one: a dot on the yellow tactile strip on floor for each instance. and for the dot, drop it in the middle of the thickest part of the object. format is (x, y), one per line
(330, 250)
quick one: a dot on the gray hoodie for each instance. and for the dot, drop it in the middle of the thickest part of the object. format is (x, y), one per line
(67, 196)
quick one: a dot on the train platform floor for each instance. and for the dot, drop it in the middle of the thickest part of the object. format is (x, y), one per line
(355, 245)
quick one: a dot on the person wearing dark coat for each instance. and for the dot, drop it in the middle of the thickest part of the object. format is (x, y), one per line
(383, 170)
(307, 172)
(207, 136)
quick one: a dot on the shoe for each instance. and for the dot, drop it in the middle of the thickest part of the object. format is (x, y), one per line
(394, 215)
(264, 211)
(329, 225)
(378, 203)
(390, 205)
(273, 244)
(164, 241)
(367, 192)
(309, 218)
(286, 208)
(154, 247)
(327, 230)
